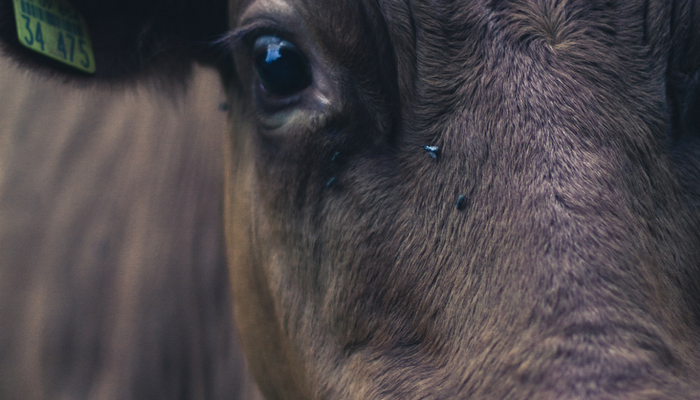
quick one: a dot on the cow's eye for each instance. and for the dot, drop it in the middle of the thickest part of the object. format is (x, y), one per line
(282, 68)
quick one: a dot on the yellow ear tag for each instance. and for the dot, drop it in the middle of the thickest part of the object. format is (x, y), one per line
(55, 29)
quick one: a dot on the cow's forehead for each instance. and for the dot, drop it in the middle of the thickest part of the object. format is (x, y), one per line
(437, 61)
(430, 34)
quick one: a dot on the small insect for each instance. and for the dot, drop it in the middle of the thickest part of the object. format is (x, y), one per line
(460, 201)
(432, 150)
(331, 182)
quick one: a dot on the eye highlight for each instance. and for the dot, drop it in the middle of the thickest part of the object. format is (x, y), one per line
(282, 68)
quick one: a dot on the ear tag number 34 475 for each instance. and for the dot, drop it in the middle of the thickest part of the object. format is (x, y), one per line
(55, 29)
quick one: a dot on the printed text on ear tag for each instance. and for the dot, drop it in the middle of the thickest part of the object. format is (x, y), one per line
(55, 29)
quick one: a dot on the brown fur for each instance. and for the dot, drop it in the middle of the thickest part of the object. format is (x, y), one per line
(571, 268)
(113, 283)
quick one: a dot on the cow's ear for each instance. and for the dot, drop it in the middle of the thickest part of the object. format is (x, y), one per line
(130, 38)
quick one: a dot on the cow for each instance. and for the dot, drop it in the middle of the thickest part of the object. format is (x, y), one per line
(113, 280)
(431, 199)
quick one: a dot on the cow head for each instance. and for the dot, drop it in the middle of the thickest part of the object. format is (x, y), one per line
(449, 199)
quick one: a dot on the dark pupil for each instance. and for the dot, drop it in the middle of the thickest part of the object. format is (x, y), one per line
(283, 71)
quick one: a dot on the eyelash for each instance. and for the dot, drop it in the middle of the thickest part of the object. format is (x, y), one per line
(247, 36)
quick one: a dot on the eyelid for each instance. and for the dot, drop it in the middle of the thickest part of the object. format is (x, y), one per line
(249, 32)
